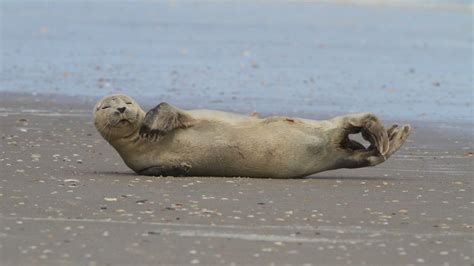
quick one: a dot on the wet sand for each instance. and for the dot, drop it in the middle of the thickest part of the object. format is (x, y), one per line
(67, 198)
(298, 58)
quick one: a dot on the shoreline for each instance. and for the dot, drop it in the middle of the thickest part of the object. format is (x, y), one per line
(9, 101)
(309, 60)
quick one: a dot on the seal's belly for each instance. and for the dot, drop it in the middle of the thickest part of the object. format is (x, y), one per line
(273, 150)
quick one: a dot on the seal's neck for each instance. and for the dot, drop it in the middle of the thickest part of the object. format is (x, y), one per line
(122, 144)
(131, 136)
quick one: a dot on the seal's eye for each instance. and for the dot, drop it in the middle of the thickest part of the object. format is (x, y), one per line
(105, 107)
(128, 103)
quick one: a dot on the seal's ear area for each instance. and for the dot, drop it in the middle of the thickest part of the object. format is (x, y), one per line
(163, 119)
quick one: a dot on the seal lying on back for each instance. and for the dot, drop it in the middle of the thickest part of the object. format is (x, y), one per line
(167, 141)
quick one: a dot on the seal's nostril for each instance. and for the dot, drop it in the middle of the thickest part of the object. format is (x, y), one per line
(121, 109)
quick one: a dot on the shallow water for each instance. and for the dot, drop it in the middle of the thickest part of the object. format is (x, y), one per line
(305, 59)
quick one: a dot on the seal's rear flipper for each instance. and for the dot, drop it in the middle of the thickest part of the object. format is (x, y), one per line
(369, 127)
(361, 158)
(163, 119)
(383, 142)
(397, 136)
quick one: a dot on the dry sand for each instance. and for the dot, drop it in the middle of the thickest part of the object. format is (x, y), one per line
(67, 198)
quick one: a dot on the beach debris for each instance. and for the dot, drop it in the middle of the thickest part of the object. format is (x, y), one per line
(35, 157)
(43, 29)
(141, 201)
(110, 199)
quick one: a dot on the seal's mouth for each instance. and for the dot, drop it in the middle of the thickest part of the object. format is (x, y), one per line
(123, 121)
(120, 122)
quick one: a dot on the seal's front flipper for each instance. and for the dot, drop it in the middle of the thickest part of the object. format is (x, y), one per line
(170, 170)
(163, 119)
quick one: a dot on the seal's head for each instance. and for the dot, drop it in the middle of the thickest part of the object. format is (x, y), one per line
(117, 116)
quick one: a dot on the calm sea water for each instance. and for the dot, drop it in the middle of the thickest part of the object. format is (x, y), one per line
(308, 59)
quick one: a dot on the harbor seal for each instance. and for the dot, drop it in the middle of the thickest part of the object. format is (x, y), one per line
(168, 141)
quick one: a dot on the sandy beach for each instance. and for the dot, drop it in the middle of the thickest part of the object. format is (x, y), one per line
(66, 197)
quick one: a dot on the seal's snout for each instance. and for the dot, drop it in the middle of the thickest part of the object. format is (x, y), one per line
(122, 109)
